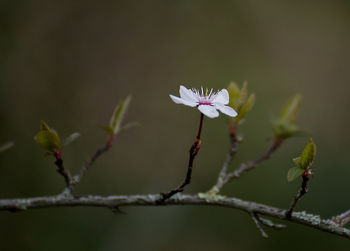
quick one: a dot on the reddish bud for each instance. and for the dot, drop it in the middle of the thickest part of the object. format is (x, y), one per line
(233, 128)
(58, 155)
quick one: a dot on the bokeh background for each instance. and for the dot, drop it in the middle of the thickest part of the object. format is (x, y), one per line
(71, 62)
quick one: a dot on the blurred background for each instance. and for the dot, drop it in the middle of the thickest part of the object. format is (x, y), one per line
(70, 62)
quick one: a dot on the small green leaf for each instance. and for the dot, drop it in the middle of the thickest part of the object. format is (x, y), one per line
(115, 115)
(115, 124)
(246, 107)
(284, 126)
(233, 91)
(290, 110)
(44, 126)
(294, 172)
(308, 155)
(48, 140)
(108, 129)
(6, 146)
(240, 101)
(118, 114)
(297, 162)
(70, 138)
(243, 94)
(129, 125)
(283, 129)
(250, 102)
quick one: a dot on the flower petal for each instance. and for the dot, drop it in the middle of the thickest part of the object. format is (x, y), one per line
(222, 97)
(187, 94)
(208, 110)
(226, 110)
(178, 100)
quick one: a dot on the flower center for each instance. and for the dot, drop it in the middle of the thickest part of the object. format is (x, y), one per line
(204, 97)
(204, 102)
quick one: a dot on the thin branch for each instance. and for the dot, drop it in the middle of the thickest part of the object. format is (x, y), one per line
(302, 218)
(302, 191)
(256, 221)
(234, 143)
(269, 223)
(61, 170)
(343, 218)
(247, 166)
(193, 152)
(77, 178)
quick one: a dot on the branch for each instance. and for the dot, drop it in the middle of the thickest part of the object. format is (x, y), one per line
(343, 218)
(234, 143)
(77, 178)
(115, 201)
(61, 170)
(303, 190)
(269, 223)
(244, 167)
(256, 221)
(193, 152)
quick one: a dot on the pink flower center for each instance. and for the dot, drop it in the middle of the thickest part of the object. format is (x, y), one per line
(204, 102)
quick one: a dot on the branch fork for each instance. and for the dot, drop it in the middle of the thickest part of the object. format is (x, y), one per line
(342, 219)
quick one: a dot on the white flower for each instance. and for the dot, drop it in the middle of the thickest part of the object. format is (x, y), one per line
(207, 103)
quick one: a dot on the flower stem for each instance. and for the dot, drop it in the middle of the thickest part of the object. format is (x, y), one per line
(200, 127)
(193, 152)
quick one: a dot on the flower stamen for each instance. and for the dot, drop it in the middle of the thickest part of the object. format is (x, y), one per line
(210, 92)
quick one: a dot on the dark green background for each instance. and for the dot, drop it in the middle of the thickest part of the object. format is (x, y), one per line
(71, 62)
